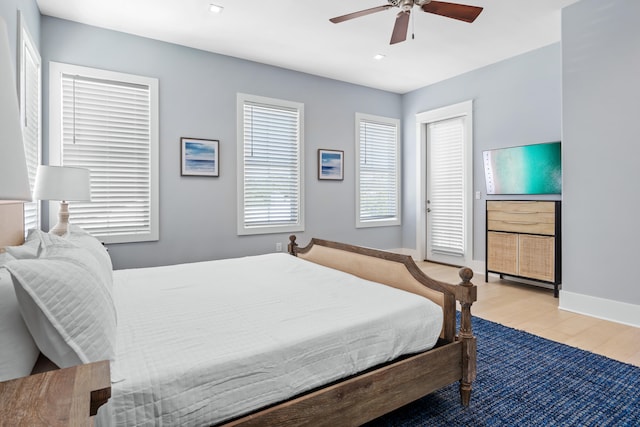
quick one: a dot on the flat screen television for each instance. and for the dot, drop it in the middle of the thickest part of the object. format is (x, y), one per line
(528, 169)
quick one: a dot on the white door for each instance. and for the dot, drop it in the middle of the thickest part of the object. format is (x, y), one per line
(446, 135)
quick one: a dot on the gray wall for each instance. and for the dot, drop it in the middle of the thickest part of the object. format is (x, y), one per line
(516, 102)
(198, 99)
(601, 74)
(31, 14)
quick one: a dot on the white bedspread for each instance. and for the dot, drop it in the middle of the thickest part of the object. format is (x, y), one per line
(201, 343)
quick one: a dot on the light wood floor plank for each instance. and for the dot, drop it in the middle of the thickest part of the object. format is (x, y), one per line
(535, 310)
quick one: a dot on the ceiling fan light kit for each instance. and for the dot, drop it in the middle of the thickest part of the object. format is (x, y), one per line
(457, 11)
(214, 8)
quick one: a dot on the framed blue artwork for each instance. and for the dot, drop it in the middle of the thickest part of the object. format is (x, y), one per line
(331, 164)
(200, 157)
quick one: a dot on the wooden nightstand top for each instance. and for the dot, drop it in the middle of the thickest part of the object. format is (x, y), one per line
(64, 397)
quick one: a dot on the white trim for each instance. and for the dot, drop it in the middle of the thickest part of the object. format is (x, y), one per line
(241, 229)
(405, 251)
(26, 43)
(615, 311)
(462, 109)
(398, 218)
(56, 71)
(476, 266)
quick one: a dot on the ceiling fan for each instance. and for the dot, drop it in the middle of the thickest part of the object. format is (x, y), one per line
(457, 11)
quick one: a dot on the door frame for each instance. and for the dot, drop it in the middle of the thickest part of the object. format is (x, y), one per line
(462, 109)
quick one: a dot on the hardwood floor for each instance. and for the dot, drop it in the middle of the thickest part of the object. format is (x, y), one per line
(535, 310)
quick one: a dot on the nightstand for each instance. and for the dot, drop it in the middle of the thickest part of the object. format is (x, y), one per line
(64, 397)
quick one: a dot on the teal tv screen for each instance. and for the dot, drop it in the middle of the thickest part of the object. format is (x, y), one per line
(528, 169)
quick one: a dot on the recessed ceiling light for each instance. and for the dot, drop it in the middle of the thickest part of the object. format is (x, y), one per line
(379, 57)
(215, 8)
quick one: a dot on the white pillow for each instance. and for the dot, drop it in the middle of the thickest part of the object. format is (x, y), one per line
(83, 239)
(65, 300)
(40, 244)
(18, 351)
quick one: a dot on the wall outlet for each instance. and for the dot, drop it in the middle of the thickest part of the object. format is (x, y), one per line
(278, 247)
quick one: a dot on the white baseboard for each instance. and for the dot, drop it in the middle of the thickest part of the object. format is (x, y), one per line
(404, 251)
(476, 266)
(615, 311)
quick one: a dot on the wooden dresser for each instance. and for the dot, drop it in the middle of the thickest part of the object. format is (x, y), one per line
(524, 240)
(64, 397)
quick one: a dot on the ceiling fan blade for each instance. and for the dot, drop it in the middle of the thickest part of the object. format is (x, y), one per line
(461, 12)
(348, 16)
(400, 29)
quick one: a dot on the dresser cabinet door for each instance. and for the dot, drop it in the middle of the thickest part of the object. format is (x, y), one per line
(536, 256)
(502, 252)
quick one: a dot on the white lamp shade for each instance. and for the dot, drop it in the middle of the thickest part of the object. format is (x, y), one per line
(62, 183)
(14, 178)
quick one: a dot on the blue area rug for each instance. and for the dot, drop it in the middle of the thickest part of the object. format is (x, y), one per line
(525, 380)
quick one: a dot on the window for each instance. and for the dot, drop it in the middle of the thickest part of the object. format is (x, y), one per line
(29, 64)
(108, 122)
(270, 141)
(377, 171)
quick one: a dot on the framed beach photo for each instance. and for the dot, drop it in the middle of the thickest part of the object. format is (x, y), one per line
(331, 164)
(199, 157)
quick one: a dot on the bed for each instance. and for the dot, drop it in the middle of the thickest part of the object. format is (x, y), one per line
(353, 392)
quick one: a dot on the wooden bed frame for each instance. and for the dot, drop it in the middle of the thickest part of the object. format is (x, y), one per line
(369, 395)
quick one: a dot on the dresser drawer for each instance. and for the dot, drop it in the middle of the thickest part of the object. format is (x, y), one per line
(523, 226)
(528, 206)
(521, 217)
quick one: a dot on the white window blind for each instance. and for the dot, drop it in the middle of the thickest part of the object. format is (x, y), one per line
(270, 166)
(30, 115)
(447, 186)
(108, 124)
(378, 171)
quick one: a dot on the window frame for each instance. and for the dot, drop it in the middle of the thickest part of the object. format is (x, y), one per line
(26, 47)
(56, 71)
(397, 219)
(242, 229)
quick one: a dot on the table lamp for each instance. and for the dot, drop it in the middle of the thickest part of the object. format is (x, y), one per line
(14, 178)
(63, 184)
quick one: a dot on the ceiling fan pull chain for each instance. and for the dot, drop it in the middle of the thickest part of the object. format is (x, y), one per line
(413, 27)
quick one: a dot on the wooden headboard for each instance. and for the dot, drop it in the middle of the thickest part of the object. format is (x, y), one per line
(11, 223)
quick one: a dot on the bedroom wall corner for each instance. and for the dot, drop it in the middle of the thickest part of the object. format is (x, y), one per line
(516, 101)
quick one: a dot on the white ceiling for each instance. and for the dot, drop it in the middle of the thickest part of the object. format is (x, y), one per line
(297, 34)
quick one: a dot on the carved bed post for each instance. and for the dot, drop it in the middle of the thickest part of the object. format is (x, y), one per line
(292, 246)
(465, 335)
